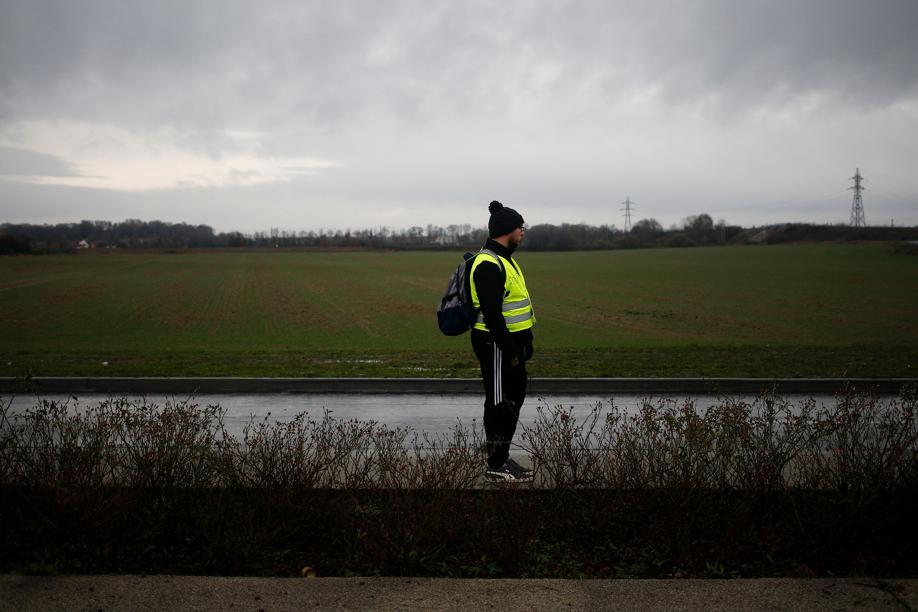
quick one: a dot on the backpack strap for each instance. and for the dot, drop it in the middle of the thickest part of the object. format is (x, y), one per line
(496, 257)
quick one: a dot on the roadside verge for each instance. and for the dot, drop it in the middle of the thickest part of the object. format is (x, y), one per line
(450, 386)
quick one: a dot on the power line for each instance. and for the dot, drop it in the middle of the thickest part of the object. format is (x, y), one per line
(809, 201)
(888, 193)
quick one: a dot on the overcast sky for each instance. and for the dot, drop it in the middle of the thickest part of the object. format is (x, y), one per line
(337, 114)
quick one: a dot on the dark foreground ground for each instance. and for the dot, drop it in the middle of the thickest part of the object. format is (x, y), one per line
(211, 593)
(527, 533)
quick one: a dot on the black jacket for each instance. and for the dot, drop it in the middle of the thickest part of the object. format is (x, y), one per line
(489, 283)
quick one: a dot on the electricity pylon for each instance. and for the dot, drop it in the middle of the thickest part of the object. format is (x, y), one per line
(628, 205)
(857, 205)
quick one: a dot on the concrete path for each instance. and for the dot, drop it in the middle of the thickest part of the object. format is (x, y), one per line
(210, 593)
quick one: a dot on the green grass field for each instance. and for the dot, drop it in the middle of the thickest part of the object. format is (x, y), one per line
(789, 310)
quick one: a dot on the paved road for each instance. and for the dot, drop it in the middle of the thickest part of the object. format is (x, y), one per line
(210, 593)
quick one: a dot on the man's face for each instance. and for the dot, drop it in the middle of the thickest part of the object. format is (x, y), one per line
(516, 237)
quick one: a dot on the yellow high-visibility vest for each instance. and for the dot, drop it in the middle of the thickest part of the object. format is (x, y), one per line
(517, 307)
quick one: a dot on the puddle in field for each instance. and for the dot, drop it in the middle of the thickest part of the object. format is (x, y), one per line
(349, 361)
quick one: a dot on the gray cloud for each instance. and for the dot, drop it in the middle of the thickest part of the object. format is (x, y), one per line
(21, 162)
(429, 106)
(326, 63)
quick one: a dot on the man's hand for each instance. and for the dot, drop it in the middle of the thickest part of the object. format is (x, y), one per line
(527, 351)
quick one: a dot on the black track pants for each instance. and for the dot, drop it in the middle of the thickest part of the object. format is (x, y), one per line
(505, 391)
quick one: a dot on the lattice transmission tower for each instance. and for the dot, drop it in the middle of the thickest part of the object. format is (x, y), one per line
(857, 205)
(627, 206)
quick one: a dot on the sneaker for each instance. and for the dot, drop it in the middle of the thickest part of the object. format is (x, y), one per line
(510, 471)
(521, 471)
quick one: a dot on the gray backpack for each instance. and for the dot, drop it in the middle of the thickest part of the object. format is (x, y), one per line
(456, 314)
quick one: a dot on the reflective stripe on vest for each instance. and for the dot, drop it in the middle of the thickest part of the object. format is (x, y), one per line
(516, 307)
(510, 319)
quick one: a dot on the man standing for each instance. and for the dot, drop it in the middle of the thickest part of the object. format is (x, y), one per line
(502, 338)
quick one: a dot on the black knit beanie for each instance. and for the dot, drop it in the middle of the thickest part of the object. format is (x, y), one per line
(503, 220)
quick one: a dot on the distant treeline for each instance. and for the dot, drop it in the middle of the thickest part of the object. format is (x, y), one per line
(696, 230)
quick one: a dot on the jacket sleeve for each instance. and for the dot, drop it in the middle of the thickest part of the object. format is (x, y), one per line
(489, 283)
